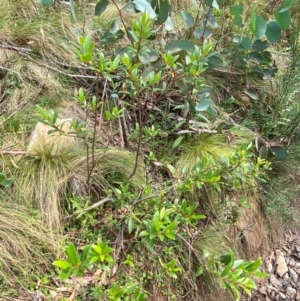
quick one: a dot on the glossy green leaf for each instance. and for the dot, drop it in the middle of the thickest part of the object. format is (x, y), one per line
(252, 19)
(236, 10)
(188, 18)
(62, 264)
(101, 6)
(279, 152)
(237, 21)
(215, 61)
(164, 10)
(130, 224)
(254, 265)
(260, 27)
(273, 31)
(178, 45)
(287, 3)
(45, 3)
(246, 43)
(144, 7)
(203, 104)
(72, 254)
(227, 269)
(260, 274)
(84, 253)
(148, 57)
(284, 19)
(213, 3)
(260, 45)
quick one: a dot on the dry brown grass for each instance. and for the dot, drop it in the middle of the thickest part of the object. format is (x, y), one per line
(34, 45)
(56, 164)
(27, 248)
(251, 231)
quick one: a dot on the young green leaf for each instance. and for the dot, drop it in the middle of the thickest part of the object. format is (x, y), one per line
(62, 264)
(236, 10)
(177, 142)
(72, 254)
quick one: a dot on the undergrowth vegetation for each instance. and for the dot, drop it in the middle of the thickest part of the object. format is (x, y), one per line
(141, 141)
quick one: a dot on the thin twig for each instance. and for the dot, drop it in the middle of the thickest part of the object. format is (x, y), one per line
(97, 204)
(122, 20)
(16, 152)
(139, 144)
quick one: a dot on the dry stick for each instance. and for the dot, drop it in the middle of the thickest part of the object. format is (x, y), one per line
(123, 22)
(95, 129)
(139, 144)
(91, 207)
(16, 152)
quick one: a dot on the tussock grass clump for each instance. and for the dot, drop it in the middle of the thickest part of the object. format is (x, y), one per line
(57, 165)
(218, 146)
(27, 248)
(205, 146)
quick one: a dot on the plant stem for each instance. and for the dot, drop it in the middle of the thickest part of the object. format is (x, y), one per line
(139, 142)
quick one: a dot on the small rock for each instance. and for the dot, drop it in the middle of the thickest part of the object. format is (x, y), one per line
(282, 295)
(269, 267)
(281, 268)
(293, 275)
(291, 292)
(263, 290)
(298, 248)
(292, 262)
(285, 282)
(298, 295)
(287, 260)
(275, 282)
(297, 264)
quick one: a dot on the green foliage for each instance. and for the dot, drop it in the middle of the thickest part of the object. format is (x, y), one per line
(159, 227)
(89, 256)
(150, 78)
(235, 275)
(45, 3)
(4, 181)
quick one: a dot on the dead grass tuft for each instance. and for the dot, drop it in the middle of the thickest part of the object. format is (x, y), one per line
(27, 248)
(57, 164)
(251, 231)
(35, 44)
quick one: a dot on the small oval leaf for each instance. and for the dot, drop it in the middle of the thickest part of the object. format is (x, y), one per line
(273, 32)
(236, 10)
(279, 152)
(101, 6)
(188, 19)
(284, 19)
(178, 45)
(203, 104)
